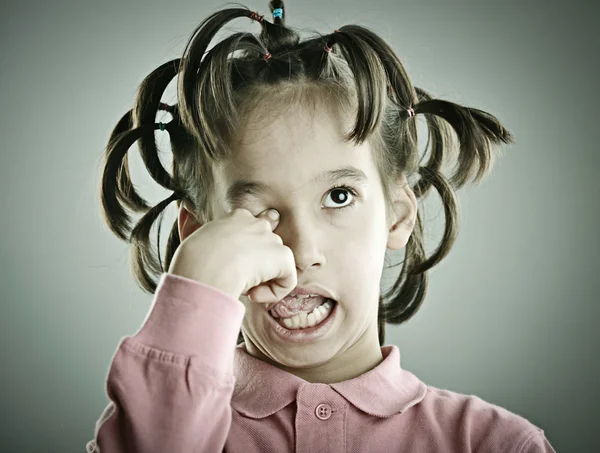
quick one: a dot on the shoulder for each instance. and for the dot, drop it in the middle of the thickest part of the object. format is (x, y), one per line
(486, 426)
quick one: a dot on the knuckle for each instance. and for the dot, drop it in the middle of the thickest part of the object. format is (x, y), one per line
(289, 252)
(267, 224)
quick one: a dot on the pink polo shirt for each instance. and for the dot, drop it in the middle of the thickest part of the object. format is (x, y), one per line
(181, 385)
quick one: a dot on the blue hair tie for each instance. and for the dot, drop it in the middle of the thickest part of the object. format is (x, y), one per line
(162, 126)
(278, 12)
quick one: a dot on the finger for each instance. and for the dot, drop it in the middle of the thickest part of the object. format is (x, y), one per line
(261, 294)
(272, 215)
(274, 290)
(265, 293)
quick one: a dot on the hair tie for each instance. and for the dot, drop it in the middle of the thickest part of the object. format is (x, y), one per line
(256, 17)
(267, 56)
(162, 126)
(278, 12)
(411, 112)
(326, 47)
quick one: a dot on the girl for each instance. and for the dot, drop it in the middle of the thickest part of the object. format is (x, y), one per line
(271, 124)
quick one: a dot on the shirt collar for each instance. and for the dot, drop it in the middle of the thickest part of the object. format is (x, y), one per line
(383, 391)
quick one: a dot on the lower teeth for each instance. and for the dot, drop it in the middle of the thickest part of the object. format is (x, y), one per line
(302, 321)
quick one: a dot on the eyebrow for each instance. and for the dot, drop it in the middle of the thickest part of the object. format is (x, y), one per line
(242, 189)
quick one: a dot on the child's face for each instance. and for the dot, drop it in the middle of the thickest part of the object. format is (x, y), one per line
(340, 249)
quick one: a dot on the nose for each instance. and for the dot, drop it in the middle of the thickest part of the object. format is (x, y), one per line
(304, 238)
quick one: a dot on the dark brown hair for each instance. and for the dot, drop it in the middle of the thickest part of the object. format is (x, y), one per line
(362, 76)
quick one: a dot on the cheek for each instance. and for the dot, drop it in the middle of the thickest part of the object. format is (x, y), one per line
(361, 249)
(366, 228)
(361, 253)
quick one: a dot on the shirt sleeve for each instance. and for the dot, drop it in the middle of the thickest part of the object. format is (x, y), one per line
(170, 385)
(536, 443)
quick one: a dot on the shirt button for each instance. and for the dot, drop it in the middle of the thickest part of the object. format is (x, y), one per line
(323, 411)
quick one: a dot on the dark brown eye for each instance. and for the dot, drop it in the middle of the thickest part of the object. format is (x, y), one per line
(339, 195)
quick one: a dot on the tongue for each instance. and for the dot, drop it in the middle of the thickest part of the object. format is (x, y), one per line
(291, 306)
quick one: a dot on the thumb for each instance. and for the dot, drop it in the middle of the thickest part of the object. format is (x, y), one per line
(272, 215)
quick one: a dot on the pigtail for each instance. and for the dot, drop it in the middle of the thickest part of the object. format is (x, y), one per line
(279, 45)
(276, 36)
(195, 98)
(477, 131)
(122, 188)
(118, 192)
(368, 75)
(439, 143)
(278, 16)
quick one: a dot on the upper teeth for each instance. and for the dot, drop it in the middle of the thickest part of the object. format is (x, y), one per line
(298, 296)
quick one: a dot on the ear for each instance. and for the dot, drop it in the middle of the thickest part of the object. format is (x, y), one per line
(404, 216)
(186, 221)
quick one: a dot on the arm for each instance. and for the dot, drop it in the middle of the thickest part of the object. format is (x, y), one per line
(170, 384)
(536, 443)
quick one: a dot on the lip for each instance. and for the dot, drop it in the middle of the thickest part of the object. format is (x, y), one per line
(304, 335)
(305, 291)
(308, 290)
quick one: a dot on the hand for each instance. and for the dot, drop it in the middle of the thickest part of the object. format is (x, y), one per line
(240, 255)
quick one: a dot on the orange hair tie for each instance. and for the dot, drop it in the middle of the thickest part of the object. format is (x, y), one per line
(256, 17)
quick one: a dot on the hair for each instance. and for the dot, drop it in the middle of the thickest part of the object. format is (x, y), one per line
(355, 70)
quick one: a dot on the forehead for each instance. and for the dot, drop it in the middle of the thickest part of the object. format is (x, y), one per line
(292, 136)
(285, 149)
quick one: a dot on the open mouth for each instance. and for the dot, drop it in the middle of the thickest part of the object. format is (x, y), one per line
(307, 320)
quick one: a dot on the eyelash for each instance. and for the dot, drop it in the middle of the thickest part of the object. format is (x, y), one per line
(354, 193)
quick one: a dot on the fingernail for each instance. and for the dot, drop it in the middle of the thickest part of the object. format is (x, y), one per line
(273, 214)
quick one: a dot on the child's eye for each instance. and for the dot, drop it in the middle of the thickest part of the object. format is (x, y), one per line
(339, 197)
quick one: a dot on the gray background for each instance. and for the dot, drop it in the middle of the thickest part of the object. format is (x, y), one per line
(511, 314)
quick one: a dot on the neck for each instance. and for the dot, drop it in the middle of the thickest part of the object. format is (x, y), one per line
(363, 355)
